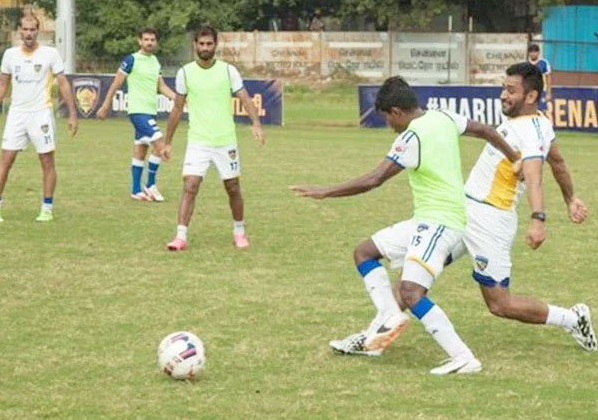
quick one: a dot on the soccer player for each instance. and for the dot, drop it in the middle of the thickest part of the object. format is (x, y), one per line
(143, 74)
(493, 193)
(206, 85)
(533, 56)
(31, 69)
(428, 149)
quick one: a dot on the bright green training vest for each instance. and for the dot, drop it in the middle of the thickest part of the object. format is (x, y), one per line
(142, 84)
(209, 104)
(437, 184)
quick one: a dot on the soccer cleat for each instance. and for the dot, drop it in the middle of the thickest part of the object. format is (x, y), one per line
(141, 196)
(353, 345)
(45, 216)
(583, 332)
(241, 241)
(177, 245)
(384, 335)
(154, 193)
(459, 366)
(1, 219)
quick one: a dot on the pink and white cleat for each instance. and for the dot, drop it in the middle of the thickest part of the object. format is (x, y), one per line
(141, 196)
(177, 245)
(241, 241)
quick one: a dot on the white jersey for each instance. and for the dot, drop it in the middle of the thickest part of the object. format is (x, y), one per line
(32, 75)
(492, 180)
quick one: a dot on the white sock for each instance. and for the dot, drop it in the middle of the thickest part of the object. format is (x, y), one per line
(238, 227)
(377, 284)
(47, 207)
(561, 317)
(441, 329)
(154, 159)
(181, 232)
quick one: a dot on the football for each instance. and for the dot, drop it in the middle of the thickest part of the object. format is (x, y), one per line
(181, 355)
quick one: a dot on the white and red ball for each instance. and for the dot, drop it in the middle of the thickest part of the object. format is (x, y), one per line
(181, 355)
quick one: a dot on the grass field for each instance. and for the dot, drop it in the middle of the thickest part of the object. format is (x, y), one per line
(86, 299)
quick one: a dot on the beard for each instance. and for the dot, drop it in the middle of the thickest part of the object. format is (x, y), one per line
(206, 55)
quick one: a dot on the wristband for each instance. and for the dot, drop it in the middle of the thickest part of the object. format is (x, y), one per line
(539, 215)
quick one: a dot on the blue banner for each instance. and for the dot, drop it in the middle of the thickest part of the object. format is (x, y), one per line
(570, 108)
(90, 91)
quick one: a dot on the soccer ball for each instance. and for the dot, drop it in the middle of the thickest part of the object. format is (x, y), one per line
(181, 355)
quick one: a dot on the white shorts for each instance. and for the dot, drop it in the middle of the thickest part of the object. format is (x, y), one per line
(420, 248)
(24, 128)
(199, 158)
(489, 238)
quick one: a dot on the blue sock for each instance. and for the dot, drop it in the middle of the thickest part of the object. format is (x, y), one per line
(152, 169)
(48, 203)
(136, 172)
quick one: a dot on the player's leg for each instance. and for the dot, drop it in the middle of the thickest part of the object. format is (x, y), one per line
(14, 140)
(195, 166)
(143, 135)
(42, 132)
(6, 162)
(153, 164)
(429, 248)
(228, 164)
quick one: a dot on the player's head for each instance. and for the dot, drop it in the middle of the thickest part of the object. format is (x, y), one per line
(28, 29)
(533, 52)
(148, 39)
(522, 90)
(397, 101)
(205, 41)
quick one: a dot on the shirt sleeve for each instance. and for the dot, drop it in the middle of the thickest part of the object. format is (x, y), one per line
(57, 63)
(236, 81)
(459, 120)
(405, 150)
(6, 66)
(534, 141)
(547, 69)
(127, 64)
(180, 84)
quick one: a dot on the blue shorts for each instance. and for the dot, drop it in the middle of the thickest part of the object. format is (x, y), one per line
(146, 128)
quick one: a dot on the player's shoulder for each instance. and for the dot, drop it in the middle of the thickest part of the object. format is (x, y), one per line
(530, 126)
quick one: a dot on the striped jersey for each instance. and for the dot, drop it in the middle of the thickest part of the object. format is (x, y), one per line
(32, 75)
(492, 180)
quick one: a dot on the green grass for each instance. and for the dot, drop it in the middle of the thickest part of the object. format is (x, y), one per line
(86, 299)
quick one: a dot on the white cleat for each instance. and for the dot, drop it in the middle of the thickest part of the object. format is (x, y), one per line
(353, 344)
(459, 366)
(154, 193)
(583, 332)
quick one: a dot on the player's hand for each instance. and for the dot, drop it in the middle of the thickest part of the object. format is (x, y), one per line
(578, 212)
(536, 234)
(73, 125)
(307, 191)
(258, 134)
(166, 152)
(102, 113)
(517, 168)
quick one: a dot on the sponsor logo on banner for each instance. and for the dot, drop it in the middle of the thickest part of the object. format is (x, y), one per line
(87, 94)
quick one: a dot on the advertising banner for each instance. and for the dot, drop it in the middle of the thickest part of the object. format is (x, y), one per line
(90, 91)
(570, 109)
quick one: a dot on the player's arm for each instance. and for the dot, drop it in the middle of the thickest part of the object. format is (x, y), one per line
(4, 83)
(119, 80)
(173, 122)
(483, 131)
(385, 170)
(256, 124)
(165, 90)
(548, 81)
(67, 96)
(577, 208)
(532, 173)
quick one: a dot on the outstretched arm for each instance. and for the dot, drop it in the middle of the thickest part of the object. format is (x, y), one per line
(119, 80)
(578, 211)
(483, 131)
(385, 170)
(165, 90)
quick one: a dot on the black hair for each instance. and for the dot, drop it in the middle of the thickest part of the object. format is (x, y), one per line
(148, 30)
(533, 48)
(396, 93)
(531, 76)
(206, 30)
